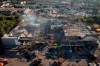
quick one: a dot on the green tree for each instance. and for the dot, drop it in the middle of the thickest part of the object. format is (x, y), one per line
(2, 31)
(90, 19)
(7, 23)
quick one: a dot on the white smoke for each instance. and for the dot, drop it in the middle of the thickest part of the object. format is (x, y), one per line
(33, 20)
(30, 17)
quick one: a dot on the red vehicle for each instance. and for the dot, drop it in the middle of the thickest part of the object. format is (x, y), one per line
(1, 64)
(3, 61)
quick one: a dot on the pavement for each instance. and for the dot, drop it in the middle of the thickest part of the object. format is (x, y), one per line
(16, 62)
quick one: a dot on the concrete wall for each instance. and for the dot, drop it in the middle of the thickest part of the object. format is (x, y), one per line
(10, 41)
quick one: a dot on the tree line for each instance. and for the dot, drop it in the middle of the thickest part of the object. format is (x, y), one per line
(7, 23)
(92, 19)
